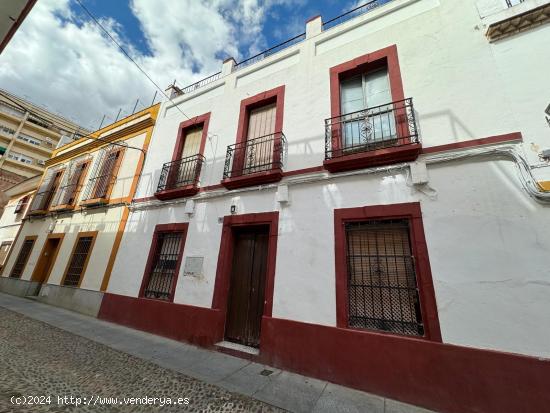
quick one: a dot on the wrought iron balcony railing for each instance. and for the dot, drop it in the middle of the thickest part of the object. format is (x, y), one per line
(180, 173)
(512, 3)
(262, 154)
(370, 129)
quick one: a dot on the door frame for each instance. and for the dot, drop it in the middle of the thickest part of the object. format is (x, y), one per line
(220, 298)
(60, 236)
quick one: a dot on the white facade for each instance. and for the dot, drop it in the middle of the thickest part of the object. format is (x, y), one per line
(487, 238)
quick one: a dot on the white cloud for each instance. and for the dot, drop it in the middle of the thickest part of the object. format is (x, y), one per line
(68, 65)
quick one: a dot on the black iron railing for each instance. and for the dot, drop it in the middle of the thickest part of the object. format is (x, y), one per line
(265, 153)
(201, 83)
(272, 50)
(384, 126)
(180, 173)
(357, 11)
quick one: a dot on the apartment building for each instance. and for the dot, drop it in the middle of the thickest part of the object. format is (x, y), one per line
(18, 202)
(68, 241)
(362, 203)
(28, 136)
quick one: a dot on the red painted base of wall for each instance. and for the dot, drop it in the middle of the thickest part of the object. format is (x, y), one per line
(257, 178)
(405, 153)
(437, 376)
(197, 325)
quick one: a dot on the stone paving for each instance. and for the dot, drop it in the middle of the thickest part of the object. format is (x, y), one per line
(39, 360)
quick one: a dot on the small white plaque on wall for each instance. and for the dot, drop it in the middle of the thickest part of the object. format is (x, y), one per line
(193, 267)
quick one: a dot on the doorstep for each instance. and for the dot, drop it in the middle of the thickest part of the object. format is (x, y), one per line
(289, 391)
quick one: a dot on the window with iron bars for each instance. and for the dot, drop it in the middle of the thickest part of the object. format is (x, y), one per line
(78, 261)
(162, 272)
(46, 191)
(382, 286)
(71, 185)
(103, 174)
(22, 258)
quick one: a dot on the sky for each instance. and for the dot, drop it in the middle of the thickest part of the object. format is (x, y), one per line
(62, 61)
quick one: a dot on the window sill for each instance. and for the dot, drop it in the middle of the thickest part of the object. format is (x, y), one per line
(37, 212)
(386, 156)
(180, 192)
(94, 202)
(519, 18)
(258, 178)
(64, 207)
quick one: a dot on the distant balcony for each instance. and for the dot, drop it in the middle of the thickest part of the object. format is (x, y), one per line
(373, 136)
(180, 178)
(255, 161)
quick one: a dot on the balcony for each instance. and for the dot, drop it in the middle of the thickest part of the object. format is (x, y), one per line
(41, 202)
(180, 178)
(373, 136)
(255, 161)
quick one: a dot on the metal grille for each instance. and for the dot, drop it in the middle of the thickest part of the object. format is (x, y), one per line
(378, 127)
(78, 261)
(382, 287)
(71, 185)
(103, 174)
(163, 270)
(357, 11)
(22, 258)
(180, 173)
(511, 3)
(45, 193)
(265, 153)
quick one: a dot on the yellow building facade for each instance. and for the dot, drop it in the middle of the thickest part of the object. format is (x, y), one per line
(66, 247)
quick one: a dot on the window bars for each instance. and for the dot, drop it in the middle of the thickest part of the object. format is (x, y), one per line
(45, 193)
(22, 258)
(78, 261)
(265, 153)
(382, 286)
(180, 173)
(103, 174)
(163, 269)
(378, 127)
(71, 185)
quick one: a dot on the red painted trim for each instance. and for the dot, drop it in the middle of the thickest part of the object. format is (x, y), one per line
(508, 137)
(317, 16)
(277, 96)
(383, 57)
(386, 156)
(258, 178)
(184, 127)
(174, 227)
(304, 171)
(223, 272)
(412, 212)
(179, 192)
(197, 325)
(491, 140)
(441, 377)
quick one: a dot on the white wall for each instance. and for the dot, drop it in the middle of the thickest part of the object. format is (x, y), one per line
(463, 87)
(488, 241)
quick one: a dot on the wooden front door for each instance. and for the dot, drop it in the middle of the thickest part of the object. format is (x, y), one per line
(247, 288)
(46, 260)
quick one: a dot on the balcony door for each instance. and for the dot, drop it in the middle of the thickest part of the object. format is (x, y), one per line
(367, 118)
(186, 170)
(260, 138)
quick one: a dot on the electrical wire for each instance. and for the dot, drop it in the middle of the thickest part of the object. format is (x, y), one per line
(96, 21)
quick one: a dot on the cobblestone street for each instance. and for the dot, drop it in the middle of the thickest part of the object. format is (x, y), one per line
(40, 360)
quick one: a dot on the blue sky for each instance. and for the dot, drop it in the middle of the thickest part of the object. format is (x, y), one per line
(61, 60)
(281, 22)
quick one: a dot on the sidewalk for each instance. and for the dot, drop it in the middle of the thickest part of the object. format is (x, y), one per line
(278, 388)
